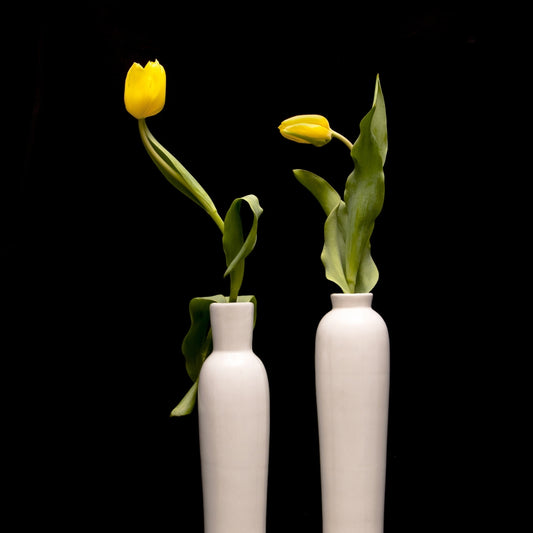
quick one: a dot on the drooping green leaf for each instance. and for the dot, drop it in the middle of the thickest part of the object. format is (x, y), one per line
(187, 403)
(236, 247)
(326, 195)
(198, 344)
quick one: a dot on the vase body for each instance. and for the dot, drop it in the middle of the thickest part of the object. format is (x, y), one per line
(352, 386)
(234, 423)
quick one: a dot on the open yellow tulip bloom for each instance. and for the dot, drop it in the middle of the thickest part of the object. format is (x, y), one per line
(145, 89)
(307, 129)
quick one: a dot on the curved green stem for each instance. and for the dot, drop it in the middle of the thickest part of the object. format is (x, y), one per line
(179, 177)
(342, 138)
(218, 221)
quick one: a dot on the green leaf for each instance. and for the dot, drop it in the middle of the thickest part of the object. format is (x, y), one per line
(326, 195)
(334, 254)
(367, 275)
(365, 191)
(198, 344)
(334, 251)
(248, 298)
(187, 403)
(236, 248)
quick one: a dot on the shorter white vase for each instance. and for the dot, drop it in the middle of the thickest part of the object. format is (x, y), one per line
(234, 422)
(352, 386)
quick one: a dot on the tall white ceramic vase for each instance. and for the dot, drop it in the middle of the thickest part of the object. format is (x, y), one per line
(352, 386)
(234, 421)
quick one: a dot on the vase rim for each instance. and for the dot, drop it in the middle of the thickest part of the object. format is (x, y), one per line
(233, 303)
(349, 294)
(357, 299)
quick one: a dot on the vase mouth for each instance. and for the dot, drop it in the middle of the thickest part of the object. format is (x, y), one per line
(236, 304)
(357, 299)
(348, 294)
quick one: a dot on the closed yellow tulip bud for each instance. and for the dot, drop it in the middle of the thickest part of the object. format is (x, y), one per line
(145, 89)
(307, 129)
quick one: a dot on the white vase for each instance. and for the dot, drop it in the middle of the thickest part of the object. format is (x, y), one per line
(234, 422)
(352, 386)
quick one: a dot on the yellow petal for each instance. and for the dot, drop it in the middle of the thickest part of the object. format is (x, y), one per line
(306, 133)
(306, 119)
(145, 89)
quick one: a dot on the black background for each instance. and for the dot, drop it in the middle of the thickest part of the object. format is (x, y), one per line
(103, 255)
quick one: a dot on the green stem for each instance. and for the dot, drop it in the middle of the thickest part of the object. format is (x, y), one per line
(342, 138)
(199, 196)
(217, 219)
(233, 293)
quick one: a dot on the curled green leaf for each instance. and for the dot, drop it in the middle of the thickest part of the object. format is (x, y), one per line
(236, 247)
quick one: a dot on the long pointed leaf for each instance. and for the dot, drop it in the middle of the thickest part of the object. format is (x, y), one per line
(365, 187)
(326, 195)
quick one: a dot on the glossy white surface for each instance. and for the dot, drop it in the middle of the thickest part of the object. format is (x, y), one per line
(234, 420)
(352, 385)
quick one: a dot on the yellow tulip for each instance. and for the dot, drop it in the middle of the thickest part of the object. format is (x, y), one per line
(307, 129)
(145, 89)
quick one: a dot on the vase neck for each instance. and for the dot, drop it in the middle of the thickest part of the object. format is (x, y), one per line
(232, 325)
(363, 299)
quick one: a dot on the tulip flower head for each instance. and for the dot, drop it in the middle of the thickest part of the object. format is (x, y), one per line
(145, 89)
(307, 129)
